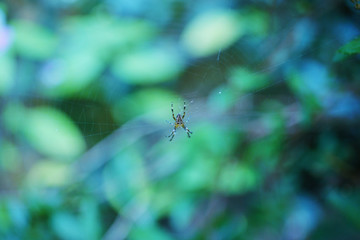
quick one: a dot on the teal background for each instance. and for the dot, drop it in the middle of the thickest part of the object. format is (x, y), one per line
(272, 94)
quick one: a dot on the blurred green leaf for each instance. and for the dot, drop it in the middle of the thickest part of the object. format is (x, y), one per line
(9, 156)
(214, 139)
(105, 35)
(309, 100)
(49, 174)
(273, 118)
(13, 117)
(182, 212)
(222, 99)
(80, 69)
(33, 40)
(52, 133)
(148, 66)
(90, 219)
(7, 70)
(69, 74)
(67, 226)
(152, 103)
(237, 178)
(13, 217)
(125, 179)
(169, 157)
(149, 232)
(5, 220)
(90, 43)
(198, 174)
(212, 31)
(18, 213)
(163, 200)
(246, 81)
(255, 22)
(352, 47)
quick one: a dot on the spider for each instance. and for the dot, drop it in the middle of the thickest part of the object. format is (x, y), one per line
(179, 122)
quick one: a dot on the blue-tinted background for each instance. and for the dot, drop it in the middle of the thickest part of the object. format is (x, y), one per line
(272, 96)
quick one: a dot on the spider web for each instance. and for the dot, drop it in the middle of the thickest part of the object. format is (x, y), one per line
(204, 86)
(206, 78)
(203, 80)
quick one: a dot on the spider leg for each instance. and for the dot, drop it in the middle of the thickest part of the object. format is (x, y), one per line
(172, 110)
(169, 122)
(172, 134)
(188, 131)
(184, 110)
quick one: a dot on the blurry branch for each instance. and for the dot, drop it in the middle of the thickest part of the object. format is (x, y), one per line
(105, 150)
(132, 212)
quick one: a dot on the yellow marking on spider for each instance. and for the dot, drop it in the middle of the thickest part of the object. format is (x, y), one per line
(179, 123)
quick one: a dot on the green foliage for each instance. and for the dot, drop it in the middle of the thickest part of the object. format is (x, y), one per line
(310, 101)
(121, 187)
(86, 89)
(255, 22)
(347, 205)
(47, 130)
(6, 74)
(151, 232)
(211, 32)
(237, 179)
(247, 81)
(48, 174)
(220, 99)
(34, 41)
(350, 48)
(84, 226)
(148, 66)
(141, 104)
(9, 156)
(52, 133)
